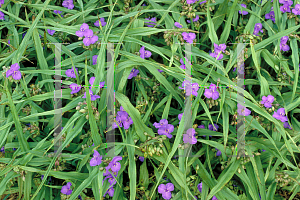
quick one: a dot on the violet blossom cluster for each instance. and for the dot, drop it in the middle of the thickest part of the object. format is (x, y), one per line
(90, 38)
(178, 25)
(218, 48)
(1, 13)
(257, 29)
(242, 110)
(164, 128)
(283, 44)
(101, 22)
(122, 119)
(144, 53)
(286, 5)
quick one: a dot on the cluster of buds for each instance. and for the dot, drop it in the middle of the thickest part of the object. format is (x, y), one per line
(59, 164)
(64, 197)
(191, 180)
(282, 78)
(33, 129)
(168, 36)
(153, 145)
(294, 35)
(26, 110)
(283, 179)
(142, 104)
(212, 102)
(20, 171)
(127, 7)
(234, 119)
(97, 45)
(84, 109)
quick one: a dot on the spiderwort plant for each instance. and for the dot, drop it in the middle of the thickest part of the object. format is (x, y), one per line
(14, 72)
(165, 190)
(122, 119)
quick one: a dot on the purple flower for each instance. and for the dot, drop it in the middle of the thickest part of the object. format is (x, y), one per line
(211, 127)
(189, 137)
(2, 150)
(141, 158)
(280, 115)
(217, 50)
(68, 4)
(70, 72)
(162, 122)
(102, 22)
(14, 72)
(182, 66)
(90, 38)
(179, 117)
(166, 130)
(194, 20)
(96, 160)
(199, 186)
(178, 25)
(1, 15)
(92, 80)
(190, 1)
(83, 29)
(284, 39)
(1, 2)
(285, 8)
(93, 97)
(286, 125)
(267, 101)
(144, 54)
(160, 71)
(188, 37)
(133, 73)
(14, 149)
(257, 29)
(194, 88)
(114, 165)
(286, 2)
(123, 119)
(51, 32)
(242, 110)
(111, 179)
(270, 15)
(202, 2)
(95, 59)
(211, 92)
(201, 126)
(296, 10)
(110, 192)
(263, 150)
(243, 12)
(23, 35)
(75, 88)
(66, 189)
(214, 198)
(153, 21)
(218, 153)
(284, 47)
(166, 190)
(57, 11)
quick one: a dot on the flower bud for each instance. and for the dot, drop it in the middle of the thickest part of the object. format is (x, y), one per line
(82, 111)
(87, 116)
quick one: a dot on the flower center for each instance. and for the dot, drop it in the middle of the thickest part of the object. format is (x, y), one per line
(15, 72)
(90, 37)
(82, 29)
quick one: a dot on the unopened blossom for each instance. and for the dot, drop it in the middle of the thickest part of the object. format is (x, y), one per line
(190, 88)
(51, 32)
(285, 8)
(286, 2)
(66, 189)
(179, 117)
(194, 20)
(242, 110)
(153, 20)
(218, 153)
(286, 125)
(202, 2)
(83, 30)
(296, 10)
(267, 101)
(280, 115)
(90, 38)
(161, 123)
(270, 15)
(178, 25)
(182, 66)
(212, 92)
(144, 53)
(68, 4)
(243, 12)
(188, 37)
(2, 150)
(96, 160)
(75, 88)
(70, 72)
(199, 186)
(102, 22)
(211, 127)
(114, 165)
(166, 130)
(57, 11)
(14, 72)
(93, 97)
(1, 15)
(166, 190)
(133, 73)
(189, 137)
(160, 71)
(95, 59)
(141, 158)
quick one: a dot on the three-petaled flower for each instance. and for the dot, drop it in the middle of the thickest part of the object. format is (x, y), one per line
(83, 29)
(166, 190)
(102, 22)
(70, 72)
(218, 49)
(133, 73)
(182, 66)
(75, 88)
(144, 53)
(243, 12)
(96, 160)
(51, 32)
(212, 92)
(242, 110)
(188, 37)
(93, 97)
(90, 38)
(267, 101)
(153, 20)
(296, 10)
(257, 29)
(68, 4)
(122, 119)
(66, 189)
(178, 25)
(14, 72)
(280, 115)
(190, 88)
(283, 44)
(114, 165)
(189, 137)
